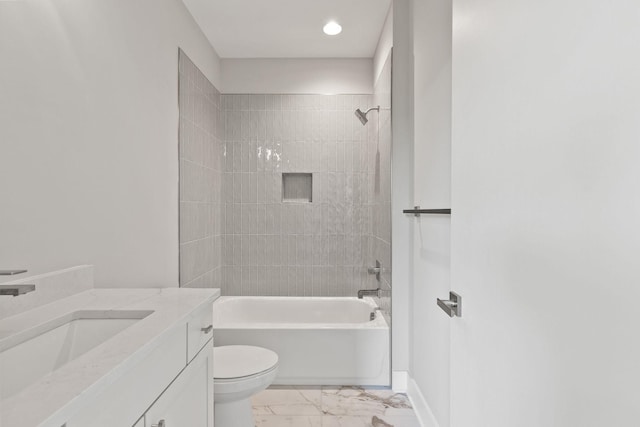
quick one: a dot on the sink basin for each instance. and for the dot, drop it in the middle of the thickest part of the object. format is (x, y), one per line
(31, 354)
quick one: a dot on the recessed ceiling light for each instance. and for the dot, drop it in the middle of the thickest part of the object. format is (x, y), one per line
(332, 28)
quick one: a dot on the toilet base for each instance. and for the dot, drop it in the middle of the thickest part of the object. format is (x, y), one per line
(240, 371)
(233, 414)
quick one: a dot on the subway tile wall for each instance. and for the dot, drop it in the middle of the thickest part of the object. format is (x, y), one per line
(201, 147)
(322, 248)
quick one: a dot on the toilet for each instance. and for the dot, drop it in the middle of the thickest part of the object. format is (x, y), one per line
(239, 372)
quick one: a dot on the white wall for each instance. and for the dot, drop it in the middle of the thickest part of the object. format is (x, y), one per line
(295, 76)
(402, 183)
(385, 43)
(88, 134)
(546, 213)
(432, 181)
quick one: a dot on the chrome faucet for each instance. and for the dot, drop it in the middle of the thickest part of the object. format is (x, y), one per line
(15, 290)
(369, 292)
(377, 270)
(11, 272)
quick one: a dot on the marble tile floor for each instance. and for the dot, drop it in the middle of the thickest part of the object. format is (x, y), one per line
(302, 406)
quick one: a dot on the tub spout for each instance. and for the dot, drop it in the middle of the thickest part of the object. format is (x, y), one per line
(369, 292)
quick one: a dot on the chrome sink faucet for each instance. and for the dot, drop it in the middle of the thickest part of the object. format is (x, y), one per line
(12, 272)
(15, 290)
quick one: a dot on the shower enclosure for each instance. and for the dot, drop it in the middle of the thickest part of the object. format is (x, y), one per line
(285, 194)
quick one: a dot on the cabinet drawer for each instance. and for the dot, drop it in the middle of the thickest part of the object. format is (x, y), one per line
(199, 331)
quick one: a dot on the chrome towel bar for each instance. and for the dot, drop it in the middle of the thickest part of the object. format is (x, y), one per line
(417, 211)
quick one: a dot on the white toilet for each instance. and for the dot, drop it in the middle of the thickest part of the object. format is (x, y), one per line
(239, 372)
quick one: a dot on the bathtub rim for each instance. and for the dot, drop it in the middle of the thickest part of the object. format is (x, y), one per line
(378, 323)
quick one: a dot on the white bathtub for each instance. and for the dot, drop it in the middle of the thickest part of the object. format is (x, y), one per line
(319, 340)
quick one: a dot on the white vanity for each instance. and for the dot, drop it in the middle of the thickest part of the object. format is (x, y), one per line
(110, 357)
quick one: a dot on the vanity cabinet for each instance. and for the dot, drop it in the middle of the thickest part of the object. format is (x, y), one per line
(171, 387)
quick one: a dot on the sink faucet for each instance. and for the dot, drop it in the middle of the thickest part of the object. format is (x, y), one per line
(369, 292)
(11, 272)
(15, 290)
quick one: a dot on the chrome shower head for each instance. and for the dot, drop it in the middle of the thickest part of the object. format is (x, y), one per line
(363, 116)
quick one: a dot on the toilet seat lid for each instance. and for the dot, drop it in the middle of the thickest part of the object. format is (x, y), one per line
(237, 361)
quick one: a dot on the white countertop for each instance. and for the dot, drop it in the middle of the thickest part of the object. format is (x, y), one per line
(59, 394)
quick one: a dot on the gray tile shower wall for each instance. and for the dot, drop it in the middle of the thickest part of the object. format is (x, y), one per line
(276, 247)
(201, 146)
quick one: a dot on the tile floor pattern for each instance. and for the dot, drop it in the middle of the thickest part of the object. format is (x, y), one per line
(293, 406)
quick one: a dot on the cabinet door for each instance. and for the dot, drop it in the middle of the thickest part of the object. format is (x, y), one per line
(188, 401)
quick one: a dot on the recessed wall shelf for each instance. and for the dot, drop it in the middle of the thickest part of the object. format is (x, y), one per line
(297, 187)
(416, 211)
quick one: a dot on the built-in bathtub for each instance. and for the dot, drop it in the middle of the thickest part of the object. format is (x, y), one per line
(319, 340)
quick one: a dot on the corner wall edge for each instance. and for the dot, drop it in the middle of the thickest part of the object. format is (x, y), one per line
(420, 405)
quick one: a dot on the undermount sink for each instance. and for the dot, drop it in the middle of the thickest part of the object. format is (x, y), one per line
(31, 354)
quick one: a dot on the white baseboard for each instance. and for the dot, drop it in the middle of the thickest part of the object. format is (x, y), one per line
(399, 381)
(420, 405)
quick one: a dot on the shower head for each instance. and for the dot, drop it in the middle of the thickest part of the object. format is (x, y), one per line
(363, 116)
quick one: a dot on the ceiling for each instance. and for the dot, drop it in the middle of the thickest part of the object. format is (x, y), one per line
(290, 28)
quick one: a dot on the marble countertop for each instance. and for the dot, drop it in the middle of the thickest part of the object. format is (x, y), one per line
(58, 395)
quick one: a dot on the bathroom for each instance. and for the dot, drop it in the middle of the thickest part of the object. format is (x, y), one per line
(521, 118)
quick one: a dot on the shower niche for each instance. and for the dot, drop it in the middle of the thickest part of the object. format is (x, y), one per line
(297, 187)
